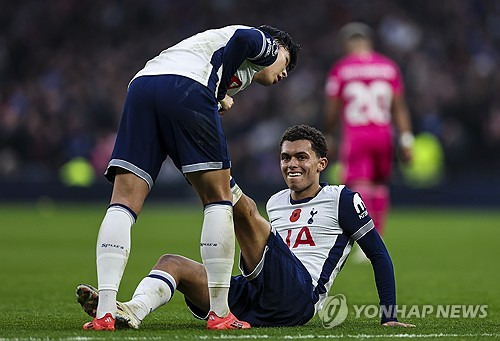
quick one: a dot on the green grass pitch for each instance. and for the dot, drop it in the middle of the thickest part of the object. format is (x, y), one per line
(440, 257)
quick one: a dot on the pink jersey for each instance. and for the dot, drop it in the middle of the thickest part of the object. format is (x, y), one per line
(365, 84)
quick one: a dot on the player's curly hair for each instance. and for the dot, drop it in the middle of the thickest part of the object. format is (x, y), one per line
(305, 132)
(284, 39)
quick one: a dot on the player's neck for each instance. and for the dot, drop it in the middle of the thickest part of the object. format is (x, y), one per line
(361, 50)
(310, 192)
(361, 47)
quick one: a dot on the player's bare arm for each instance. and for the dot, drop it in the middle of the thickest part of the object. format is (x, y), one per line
(401, 118)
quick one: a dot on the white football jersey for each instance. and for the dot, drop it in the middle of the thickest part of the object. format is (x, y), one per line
(193, 58)
(313, 233)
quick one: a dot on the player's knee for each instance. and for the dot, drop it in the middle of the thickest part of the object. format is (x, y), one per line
(168, 262)
(179, 267)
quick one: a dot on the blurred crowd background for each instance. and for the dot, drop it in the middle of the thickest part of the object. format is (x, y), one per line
(65, 66)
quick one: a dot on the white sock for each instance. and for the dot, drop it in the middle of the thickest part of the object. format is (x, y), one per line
(105, 305)
(113, 248)
(217, 253)
(152, 292)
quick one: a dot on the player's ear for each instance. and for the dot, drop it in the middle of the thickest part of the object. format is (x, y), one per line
(323, 162)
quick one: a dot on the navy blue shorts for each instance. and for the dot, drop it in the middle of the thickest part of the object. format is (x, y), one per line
(168, 116)
(281, 294)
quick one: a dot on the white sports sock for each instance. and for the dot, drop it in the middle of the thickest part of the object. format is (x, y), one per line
(217, 253)
(107, 303)
(152, 292)
(219, 300)
(113, 248)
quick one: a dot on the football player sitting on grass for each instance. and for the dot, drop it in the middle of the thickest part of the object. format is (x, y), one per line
(287, 265)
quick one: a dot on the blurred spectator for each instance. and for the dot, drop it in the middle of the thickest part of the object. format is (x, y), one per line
(64, 63)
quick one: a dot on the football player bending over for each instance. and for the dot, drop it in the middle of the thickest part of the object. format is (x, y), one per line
(173, 109)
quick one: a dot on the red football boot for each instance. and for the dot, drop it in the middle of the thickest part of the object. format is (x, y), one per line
(107, 322)
(222, 323)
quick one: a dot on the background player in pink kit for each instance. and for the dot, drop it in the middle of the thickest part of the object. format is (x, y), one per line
(364, 91)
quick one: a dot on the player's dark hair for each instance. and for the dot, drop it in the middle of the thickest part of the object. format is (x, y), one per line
(284, 39)
(305, 132)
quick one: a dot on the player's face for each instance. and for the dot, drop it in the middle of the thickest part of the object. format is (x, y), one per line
(275, 72)
(301, 167)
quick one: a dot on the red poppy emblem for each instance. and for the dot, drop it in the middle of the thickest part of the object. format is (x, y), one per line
(295, 215)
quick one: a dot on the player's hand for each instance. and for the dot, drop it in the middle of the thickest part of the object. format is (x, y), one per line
(398, 324)
(406, 141)
(406, 155)
(225, 104)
